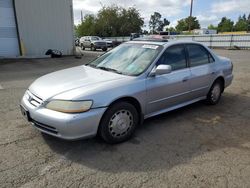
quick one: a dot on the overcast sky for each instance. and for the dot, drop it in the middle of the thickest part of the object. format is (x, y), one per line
(207, 11)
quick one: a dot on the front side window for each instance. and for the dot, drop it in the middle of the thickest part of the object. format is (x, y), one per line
(128, 59)
(197, 55)
(174, 56)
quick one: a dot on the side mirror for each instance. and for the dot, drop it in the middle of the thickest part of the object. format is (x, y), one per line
(161, 69)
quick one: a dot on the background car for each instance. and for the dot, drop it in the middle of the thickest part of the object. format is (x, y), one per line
(93, 42)
(109, 43)
(77, 42)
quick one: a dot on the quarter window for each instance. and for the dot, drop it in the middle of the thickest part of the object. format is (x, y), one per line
(174, 56)
(198, 55)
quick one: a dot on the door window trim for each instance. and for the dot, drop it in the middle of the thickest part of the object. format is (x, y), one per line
(174, 45)
(207, 52)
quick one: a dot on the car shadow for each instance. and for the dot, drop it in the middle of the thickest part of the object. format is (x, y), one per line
(167, 140)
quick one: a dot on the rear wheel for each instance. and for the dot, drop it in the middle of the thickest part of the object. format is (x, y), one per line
(118, 123)
(104, 49)
(214, 94)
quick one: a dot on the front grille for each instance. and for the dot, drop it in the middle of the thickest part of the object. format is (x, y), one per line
(33, 99)
(44, 127)
(100, 43)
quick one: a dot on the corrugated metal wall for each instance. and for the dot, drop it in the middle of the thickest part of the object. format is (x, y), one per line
(8, 35)
(45, 24)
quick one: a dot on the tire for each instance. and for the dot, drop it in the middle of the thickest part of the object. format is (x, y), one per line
(92, 48)
(82, 47)
(104, 49)
(214, 94)
(118, 123)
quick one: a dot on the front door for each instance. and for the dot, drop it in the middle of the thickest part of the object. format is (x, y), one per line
(166, 91)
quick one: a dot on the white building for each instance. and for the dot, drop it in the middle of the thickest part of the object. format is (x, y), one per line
(30, 27)
(204, 31)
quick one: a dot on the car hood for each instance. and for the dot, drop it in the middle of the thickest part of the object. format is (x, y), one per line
(58, 82)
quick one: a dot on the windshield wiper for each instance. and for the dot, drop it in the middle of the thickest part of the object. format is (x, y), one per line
(110, 69)
(91, 65)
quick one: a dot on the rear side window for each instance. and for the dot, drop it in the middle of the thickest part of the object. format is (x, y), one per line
(174, 56)
(198, 55)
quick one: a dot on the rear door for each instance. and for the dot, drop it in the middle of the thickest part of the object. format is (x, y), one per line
(202, 69)
(165, 91)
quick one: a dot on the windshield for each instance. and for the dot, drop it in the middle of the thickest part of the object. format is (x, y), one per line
(95, 38)
(128, 59)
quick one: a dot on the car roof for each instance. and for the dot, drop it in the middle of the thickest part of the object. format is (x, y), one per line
(169, 42)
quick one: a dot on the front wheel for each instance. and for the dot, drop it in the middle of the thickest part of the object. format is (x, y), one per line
(214, 94)
(104, 49)
(92, 47)
(118, 123)
(82, 46)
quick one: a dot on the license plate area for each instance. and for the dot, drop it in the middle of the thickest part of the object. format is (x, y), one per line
(25, 113)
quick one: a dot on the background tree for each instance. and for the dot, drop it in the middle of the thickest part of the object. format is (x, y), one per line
(164, 23)
(130, 21)
(171, 29)
(183, 24)
(87, 27)
(211, 26)
(225, 25)
(156, 24)
(241, 24)
(110, 22)
(248, 21)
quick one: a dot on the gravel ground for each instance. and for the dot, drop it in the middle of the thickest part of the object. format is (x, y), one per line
(196, 146)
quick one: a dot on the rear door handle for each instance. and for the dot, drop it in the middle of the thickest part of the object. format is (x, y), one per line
(213, 73)
(185, 79)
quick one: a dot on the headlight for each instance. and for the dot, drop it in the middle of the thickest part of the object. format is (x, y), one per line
(69, 106)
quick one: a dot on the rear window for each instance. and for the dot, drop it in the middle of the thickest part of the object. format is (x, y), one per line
(198, 55)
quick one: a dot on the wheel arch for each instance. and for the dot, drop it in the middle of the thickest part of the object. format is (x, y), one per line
(131, 100)
(221, 80)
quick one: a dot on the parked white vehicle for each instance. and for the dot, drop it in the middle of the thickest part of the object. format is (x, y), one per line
(93, 42)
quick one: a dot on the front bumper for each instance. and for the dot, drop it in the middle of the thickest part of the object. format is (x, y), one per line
(63, 125)
(100, 46)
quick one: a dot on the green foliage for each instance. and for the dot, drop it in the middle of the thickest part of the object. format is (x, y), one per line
(183, 24)
(241, 24)
(171, 29)
(111, 21)
(225, 25)
(156, 24)
(87, 27)
(211, 26)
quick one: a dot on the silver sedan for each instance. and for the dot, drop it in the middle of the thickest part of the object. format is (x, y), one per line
(113, 94)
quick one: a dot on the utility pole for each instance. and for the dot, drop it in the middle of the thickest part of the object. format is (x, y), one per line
(191, 12)
(81, 17)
